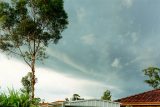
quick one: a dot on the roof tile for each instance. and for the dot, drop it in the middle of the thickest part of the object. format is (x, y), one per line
(149, 96)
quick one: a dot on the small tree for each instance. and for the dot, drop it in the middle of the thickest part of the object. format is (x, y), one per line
(27, 27)
(153, 74)
(76, 97)
(66, 99)
(27, 83)
(106, 95)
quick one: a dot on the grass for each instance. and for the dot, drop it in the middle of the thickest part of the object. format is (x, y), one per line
(17, 99)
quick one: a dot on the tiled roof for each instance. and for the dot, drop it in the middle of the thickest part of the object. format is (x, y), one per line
(152, 96)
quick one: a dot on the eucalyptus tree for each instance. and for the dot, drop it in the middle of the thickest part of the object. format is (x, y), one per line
(27, 27)
(153, 74)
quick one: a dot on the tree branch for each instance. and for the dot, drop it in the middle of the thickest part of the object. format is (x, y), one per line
(24, 57)
(29, 44)
(10, 51)
(37, 47)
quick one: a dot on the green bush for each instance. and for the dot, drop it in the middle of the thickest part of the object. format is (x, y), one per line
(17, 99)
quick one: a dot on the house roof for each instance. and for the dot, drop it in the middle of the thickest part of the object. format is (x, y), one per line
(150, 97)
(44, 104)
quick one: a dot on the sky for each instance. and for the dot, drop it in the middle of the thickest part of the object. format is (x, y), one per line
(106, 46)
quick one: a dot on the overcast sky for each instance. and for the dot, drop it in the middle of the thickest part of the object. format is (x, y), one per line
(106, 46)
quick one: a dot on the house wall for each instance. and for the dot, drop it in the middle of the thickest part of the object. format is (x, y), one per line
(92, 103)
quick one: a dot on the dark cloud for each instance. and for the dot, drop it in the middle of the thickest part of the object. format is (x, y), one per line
(128, 35)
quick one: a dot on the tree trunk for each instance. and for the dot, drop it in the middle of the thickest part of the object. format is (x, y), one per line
(33, 76)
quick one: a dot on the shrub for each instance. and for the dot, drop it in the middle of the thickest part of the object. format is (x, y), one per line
(17, 99)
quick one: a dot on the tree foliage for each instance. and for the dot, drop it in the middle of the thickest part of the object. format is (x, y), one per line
(27, 27)
(106, 95)
(153, 74)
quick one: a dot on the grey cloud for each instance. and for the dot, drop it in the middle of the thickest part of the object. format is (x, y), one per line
(131, 35)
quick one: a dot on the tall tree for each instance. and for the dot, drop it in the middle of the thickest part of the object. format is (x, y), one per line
(153, 74)
(106, 95)
(27, 27)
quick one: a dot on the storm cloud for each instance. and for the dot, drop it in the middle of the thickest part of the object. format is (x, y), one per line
(108, 42)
